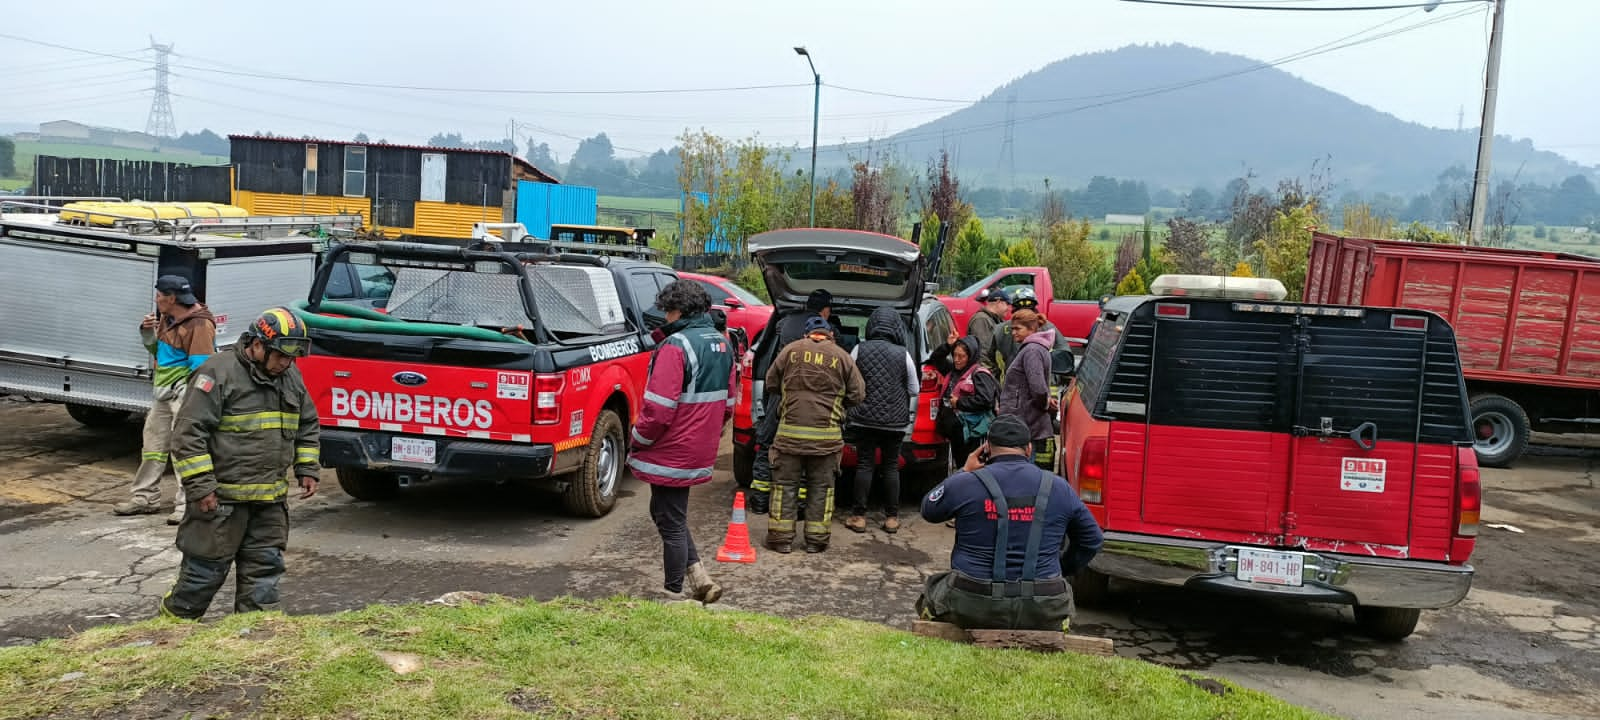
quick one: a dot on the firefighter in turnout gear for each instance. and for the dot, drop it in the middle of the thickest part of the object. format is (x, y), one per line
(819, 304)
(817, 382)
(996, 308)
(246, 424)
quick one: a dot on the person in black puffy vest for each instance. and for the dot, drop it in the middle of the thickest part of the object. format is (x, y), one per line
(880, 422)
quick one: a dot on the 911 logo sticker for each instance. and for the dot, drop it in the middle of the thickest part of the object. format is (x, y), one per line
(1363, 474)
(512, 385)
(575, 425)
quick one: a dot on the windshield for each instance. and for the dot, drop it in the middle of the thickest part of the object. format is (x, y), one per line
(973, 289)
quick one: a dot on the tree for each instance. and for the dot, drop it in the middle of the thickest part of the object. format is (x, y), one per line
(1073, 261)
(1360, 221)
(1538, 230)
(876, 193)
(973, 255)
(1200, 203)
(360, 137)
(8, 157)
(1417, 232)
(1132, 284)
(1189, 244)
(1020, 253)
(542, 158)
(450, 140)
(943, 200)
(1128, 254)
(1242, 270)
(1287, 245)
(1053, 210)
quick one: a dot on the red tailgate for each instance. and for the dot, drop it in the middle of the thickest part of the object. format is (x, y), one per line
(420, 399)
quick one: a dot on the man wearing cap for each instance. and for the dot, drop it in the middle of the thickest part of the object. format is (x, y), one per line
(995, 308)
(181, 334)
(819, 304)
(1013, 520)
(1003, 346)
(817, 382)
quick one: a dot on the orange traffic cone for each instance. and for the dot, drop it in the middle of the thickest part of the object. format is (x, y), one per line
(736, 546)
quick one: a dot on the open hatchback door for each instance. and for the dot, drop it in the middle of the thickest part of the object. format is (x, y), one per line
(855, 265)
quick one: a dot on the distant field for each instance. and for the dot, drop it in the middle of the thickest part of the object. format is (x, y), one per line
(13, 183)
(27, 150)
(637, 204)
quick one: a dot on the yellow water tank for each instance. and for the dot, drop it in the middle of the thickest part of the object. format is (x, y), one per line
(112, 213)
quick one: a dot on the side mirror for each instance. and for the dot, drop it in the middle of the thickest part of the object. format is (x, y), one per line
(1063, 362)
(733, 303)
(654, 318)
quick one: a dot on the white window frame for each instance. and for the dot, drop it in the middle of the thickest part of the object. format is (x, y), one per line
(349, 151)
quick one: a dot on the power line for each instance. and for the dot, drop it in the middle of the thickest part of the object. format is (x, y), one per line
(1301, 8)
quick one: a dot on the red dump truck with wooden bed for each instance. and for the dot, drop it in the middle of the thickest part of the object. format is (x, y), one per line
(1527, 323)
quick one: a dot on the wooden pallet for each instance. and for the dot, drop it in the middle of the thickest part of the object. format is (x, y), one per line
(1036, 640)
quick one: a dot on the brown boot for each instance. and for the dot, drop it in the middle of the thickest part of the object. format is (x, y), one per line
(857, 523)
(134, 507)
(780, 546)
(891, 524)
(700, 586)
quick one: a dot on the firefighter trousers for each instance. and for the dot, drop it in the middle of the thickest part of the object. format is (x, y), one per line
(941, 601)
(791, 473)
(249, 535)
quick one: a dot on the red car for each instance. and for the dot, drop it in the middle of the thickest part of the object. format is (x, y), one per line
(744, 309)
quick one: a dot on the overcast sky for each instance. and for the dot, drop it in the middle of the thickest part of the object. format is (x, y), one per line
(932, 48)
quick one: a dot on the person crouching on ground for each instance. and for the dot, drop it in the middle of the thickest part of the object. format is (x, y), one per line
(674, 444)
(1013, 519)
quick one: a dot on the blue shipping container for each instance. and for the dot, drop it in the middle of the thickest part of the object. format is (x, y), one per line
(540, 205)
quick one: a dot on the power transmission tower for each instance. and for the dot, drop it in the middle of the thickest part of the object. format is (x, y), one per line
(161, 123)
(1461, 118)
(1008, 149)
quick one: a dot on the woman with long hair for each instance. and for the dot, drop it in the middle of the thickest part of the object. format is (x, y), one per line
(966, 398)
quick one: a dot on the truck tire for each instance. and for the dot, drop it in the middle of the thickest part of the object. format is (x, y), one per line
(593, 490)
(1090, 589)
(97, 417)
(364, 484)
(744, 465)
(1500, 430)
(1386, 623)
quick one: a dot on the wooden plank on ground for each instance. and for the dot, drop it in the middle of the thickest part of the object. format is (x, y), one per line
(1039, 640)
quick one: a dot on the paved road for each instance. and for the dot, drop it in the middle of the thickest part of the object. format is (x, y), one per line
(1525, 644)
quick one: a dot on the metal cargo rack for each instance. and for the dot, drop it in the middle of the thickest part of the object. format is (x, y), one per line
(516, 240)
(39, 221)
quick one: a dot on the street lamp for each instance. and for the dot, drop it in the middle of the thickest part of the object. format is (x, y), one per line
(816, 103)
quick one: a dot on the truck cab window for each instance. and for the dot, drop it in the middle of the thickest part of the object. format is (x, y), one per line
(339, 285)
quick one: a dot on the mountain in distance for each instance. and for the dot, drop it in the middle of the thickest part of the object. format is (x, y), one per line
(1267, 121)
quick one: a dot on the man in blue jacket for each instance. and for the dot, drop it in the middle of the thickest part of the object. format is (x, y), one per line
(1013, 520)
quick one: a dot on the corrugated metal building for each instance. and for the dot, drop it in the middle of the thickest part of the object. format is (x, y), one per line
(540, 205)
(418, 191)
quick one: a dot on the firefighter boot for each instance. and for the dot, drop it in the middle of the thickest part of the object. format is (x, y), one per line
(700, 585)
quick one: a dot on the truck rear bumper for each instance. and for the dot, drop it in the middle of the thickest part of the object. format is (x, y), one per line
(453, 457)
(1326, 577)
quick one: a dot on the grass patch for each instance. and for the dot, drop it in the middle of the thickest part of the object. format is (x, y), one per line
(620, 658)
(639, 204)
(13, 183)
(27, 150)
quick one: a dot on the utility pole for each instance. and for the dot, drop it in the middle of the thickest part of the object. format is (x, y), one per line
(816, 104)
(1480, 180)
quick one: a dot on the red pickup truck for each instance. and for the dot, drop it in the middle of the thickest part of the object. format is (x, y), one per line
(1528, 321)
(1072, 317)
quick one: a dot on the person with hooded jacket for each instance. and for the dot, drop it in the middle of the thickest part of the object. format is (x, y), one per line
(687, 401)
(1025, 391)
(966, 397)
(879, 422)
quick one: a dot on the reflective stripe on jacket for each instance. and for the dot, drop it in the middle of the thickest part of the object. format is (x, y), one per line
(240, 432)
(687, 399)
(817, 382)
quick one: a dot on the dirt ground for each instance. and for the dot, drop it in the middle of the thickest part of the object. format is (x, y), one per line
(1524, 644)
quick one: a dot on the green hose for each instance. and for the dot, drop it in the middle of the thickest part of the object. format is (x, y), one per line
(363, 320)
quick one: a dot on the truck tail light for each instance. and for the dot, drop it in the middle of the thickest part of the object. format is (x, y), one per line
(930, 380)
(1469, 494)
(547, 398)
(1092, 470)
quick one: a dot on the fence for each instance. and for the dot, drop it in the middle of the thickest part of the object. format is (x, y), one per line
(131, 179)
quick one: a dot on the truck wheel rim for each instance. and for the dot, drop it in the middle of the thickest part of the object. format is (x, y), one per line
(1495, 433)
(607, 475)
